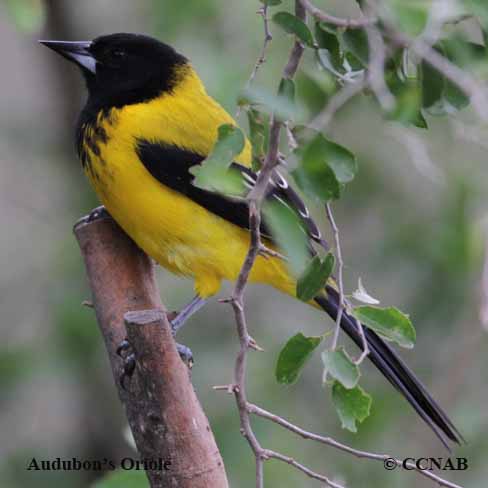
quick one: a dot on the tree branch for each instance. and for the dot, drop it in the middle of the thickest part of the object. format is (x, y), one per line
(376, 68)
(263, 11)
(163, 411)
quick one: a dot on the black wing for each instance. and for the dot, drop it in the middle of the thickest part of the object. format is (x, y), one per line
(170, 165)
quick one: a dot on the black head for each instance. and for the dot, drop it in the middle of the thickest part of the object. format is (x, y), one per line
(121, 69)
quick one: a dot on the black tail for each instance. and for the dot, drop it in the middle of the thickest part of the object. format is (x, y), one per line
(396, 371)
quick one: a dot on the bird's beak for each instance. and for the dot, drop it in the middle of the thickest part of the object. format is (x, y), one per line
(78, 52)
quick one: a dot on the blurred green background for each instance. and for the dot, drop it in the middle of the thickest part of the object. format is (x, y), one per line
(414, 230)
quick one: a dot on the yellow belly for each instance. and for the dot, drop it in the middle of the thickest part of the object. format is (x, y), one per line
(179, 234)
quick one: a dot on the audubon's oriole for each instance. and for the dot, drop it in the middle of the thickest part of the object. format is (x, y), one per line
(147, 121)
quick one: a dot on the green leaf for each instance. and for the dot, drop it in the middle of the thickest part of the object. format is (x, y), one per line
(286, 227)
(352, 405)
(327, 39)
(271, 3)
(318, 180)
(314, 88)
(222, 180)
(230, 143)
(339, 365)
(123, 479)
(304, 134)
(341, 160)
(455, 96)
(287, 90)
(257, 136)
(407, 110)
(355, 41)
(324, 166)
(433, 83)
(390, 323)
(283, 108)
(293, 25)
(293, 356)
(411, 16)
(440, 95)
(214, 172)
(315, 277)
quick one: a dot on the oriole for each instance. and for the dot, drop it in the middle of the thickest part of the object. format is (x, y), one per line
(147, 121)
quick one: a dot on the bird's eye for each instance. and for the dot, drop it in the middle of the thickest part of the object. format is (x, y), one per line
(117, 53)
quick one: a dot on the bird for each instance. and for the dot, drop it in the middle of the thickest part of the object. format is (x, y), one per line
(147, 121)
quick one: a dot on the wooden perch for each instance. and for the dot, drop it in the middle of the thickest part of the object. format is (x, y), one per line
(164, 414)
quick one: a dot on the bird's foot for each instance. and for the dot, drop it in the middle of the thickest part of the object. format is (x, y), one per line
(128, 356)
(129, 362)
(95, 214)
(185, 354)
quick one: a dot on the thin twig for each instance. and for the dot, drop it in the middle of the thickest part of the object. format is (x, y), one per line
(329, 441)
(340, 281)
(267, 39)
(311, 474)
(365, 352)
(266, 252)
(292, 142)
(336, 102)
(376, 68)
(340, 284)
(244, 339)
(331, 19)
(263, 11)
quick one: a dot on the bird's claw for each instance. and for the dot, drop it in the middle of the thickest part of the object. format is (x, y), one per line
(125, 352)
(97, 213)
(185, 354)
(129, 362)
(123, 347)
